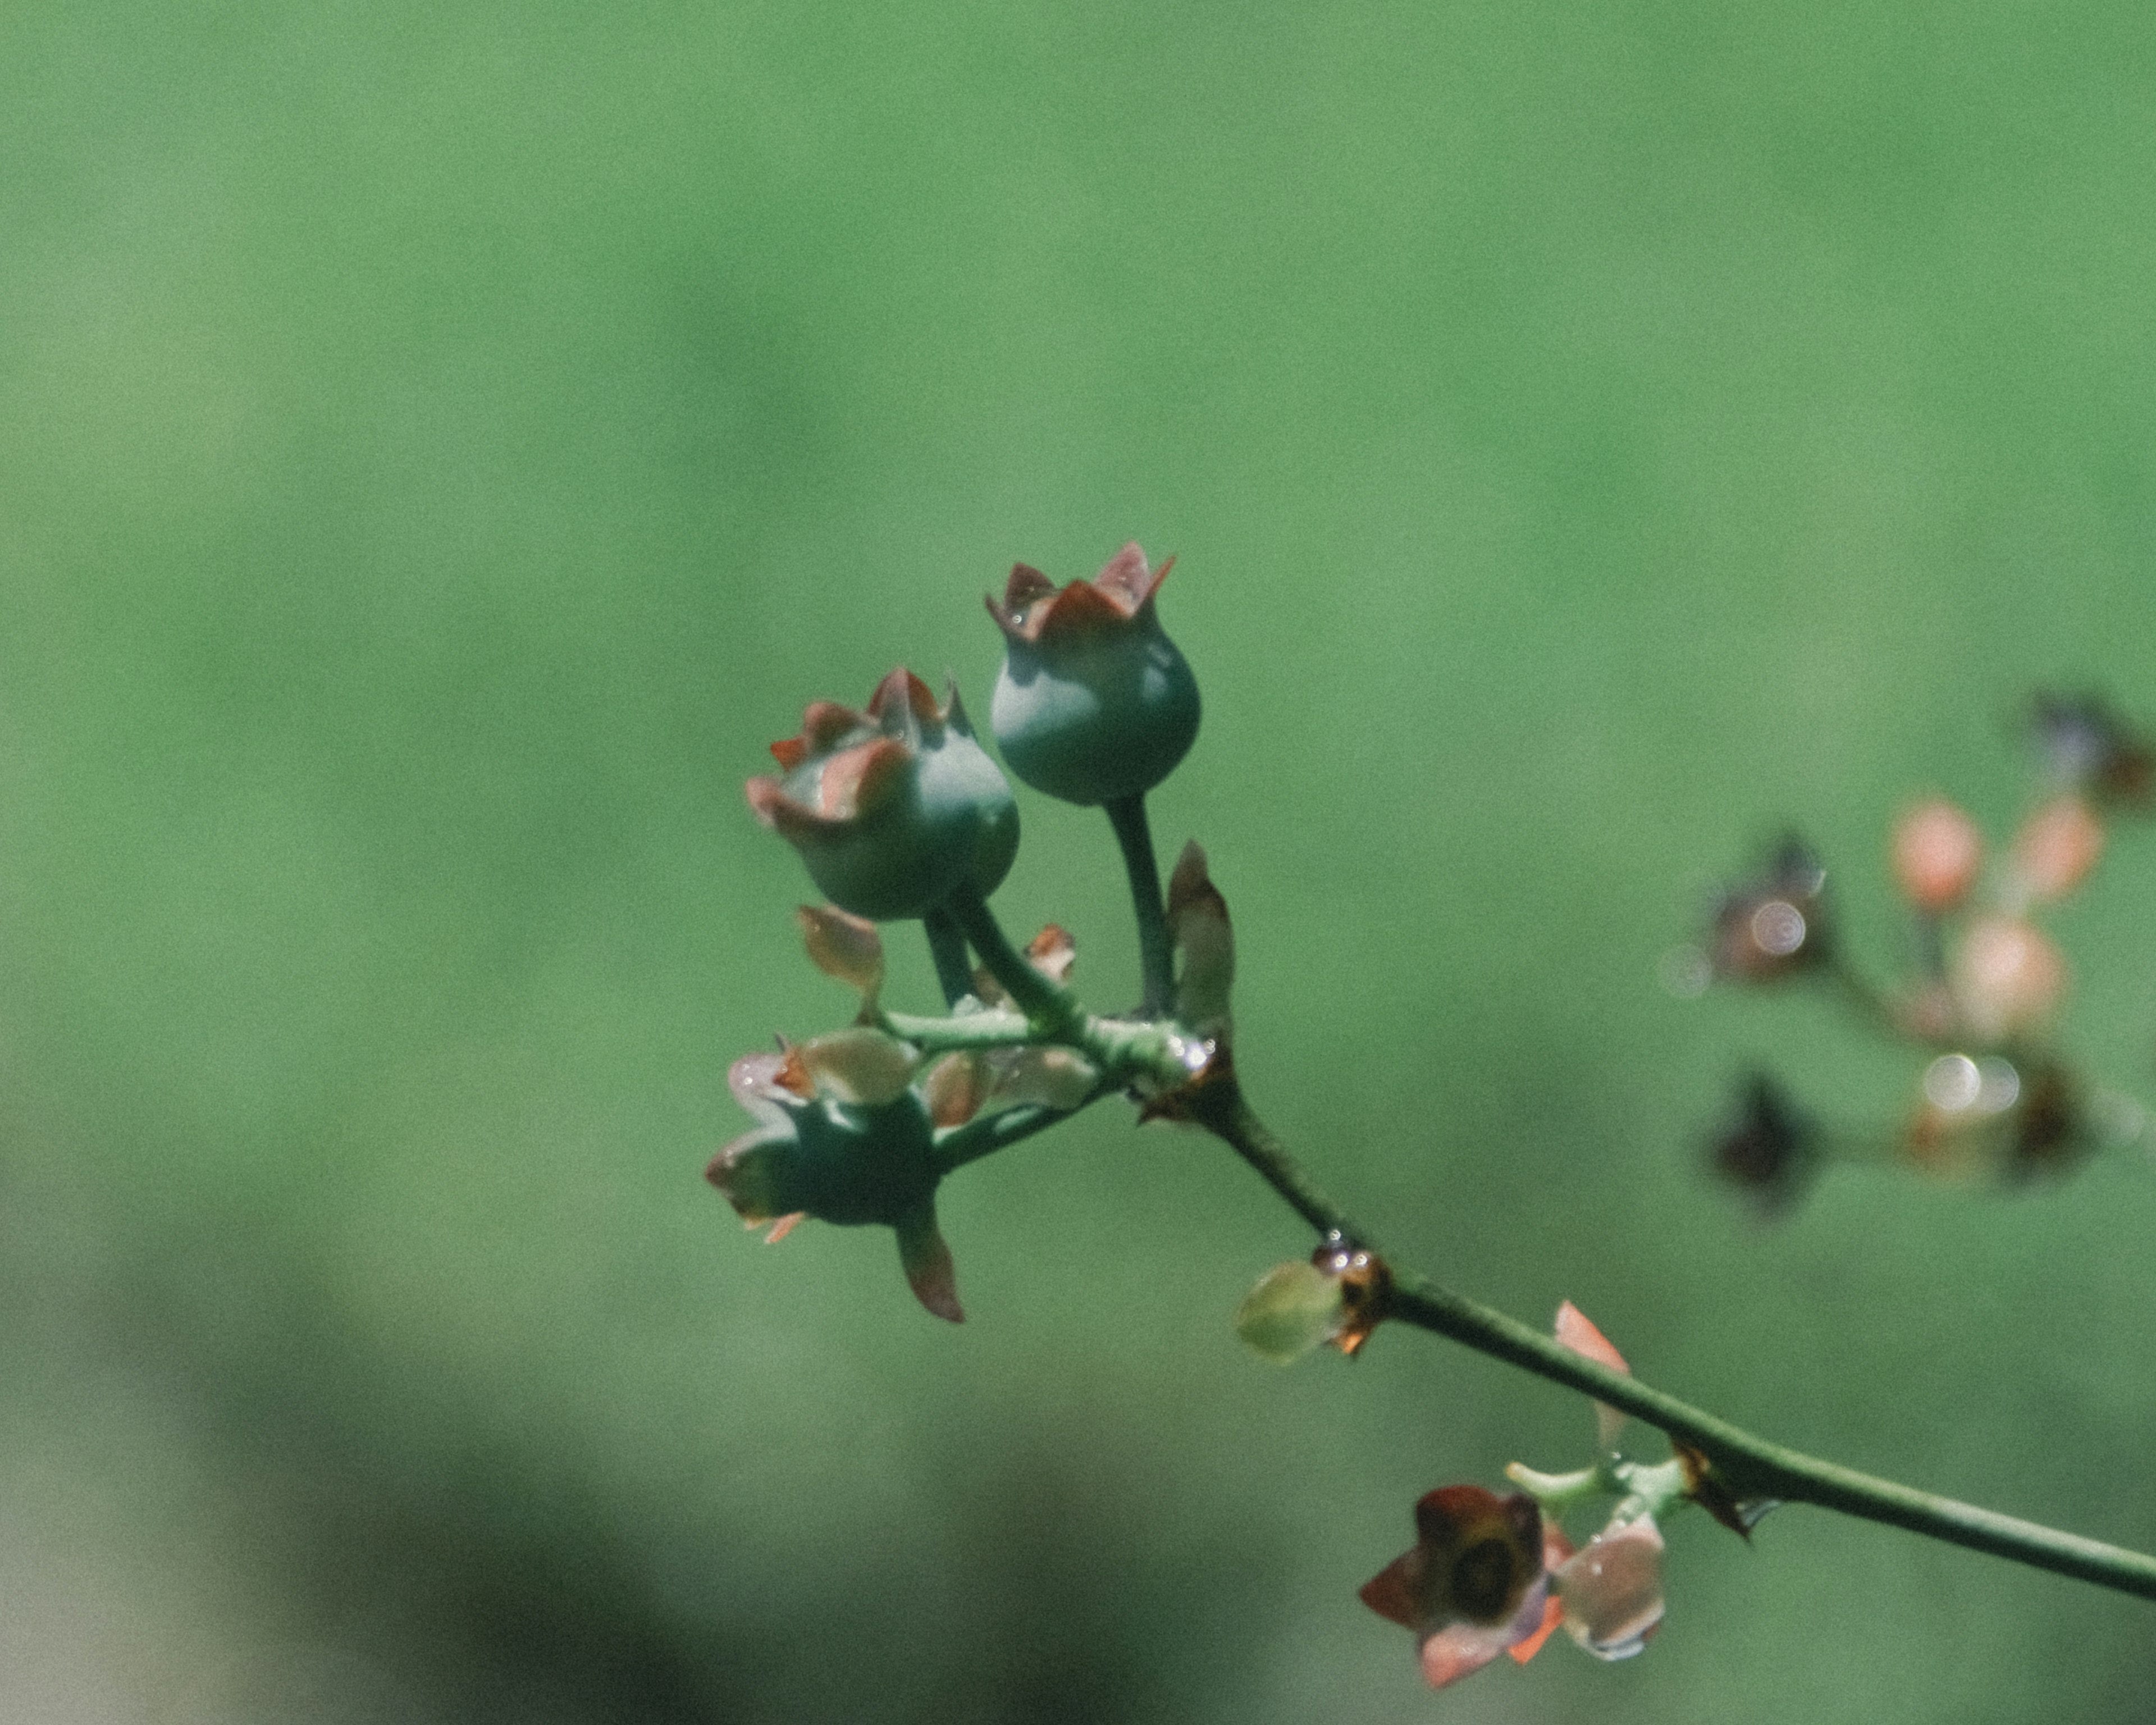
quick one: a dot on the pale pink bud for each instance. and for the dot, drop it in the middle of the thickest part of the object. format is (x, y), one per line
(2008, 977)
(1937, 852)
(2057, 848)
(1611, 1590)
(1574, 1330)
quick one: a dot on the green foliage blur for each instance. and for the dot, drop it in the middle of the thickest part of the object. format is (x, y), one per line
(440, 446)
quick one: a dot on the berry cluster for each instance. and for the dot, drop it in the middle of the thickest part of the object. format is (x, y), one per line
(1993, 1095)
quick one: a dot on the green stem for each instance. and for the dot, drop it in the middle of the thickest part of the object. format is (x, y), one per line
(1867, 1001)
(1156, 952)
(1054, 1011)
(972, 1029)
(1750, 1466)
(947, 946)
(992, 1132)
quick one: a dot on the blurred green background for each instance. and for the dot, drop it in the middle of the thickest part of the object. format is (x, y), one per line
(440, 445)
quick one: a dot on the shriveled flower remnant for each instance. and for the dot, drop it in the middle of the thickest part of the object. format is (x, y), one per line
(1978, 1000)
(1489, 1575)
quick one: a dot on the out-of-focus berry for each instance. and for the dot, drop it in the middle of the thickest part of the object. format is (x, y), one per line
(2008, 977)
(1938, 852)
(2057, 848)
(1775, 925)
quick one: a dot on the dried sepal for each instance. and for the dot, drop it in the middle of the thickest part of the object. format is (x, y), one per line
(1205, 948)
(843, 946)
(926, 1260)
(1365, 1282)
(2088, 748)
(1770, 1147)
(859, 1065)
(1706, 1488)
(1574, 1330)
(1052, 953)
(955, 1087)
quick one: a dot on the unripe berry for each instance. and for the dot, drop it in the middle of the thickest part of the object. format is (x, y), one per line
(892, 809)
(1094, 701)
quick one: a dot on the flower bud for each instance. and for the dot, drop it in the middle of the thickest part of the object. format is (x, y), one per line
(1094, 701)
(894, 808)
(1294, 1309)
(1611, 1590)
(1937, 852)
(2057, 848)
(2008, 977)
(1339, 1296)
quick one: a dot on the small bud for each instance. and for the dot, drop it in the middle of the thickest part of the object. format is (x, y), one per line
(1294, 1310)
(1938, 852)
(2057, 848)
(1094, 701)
(1338, 1296)
(2008, 977)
